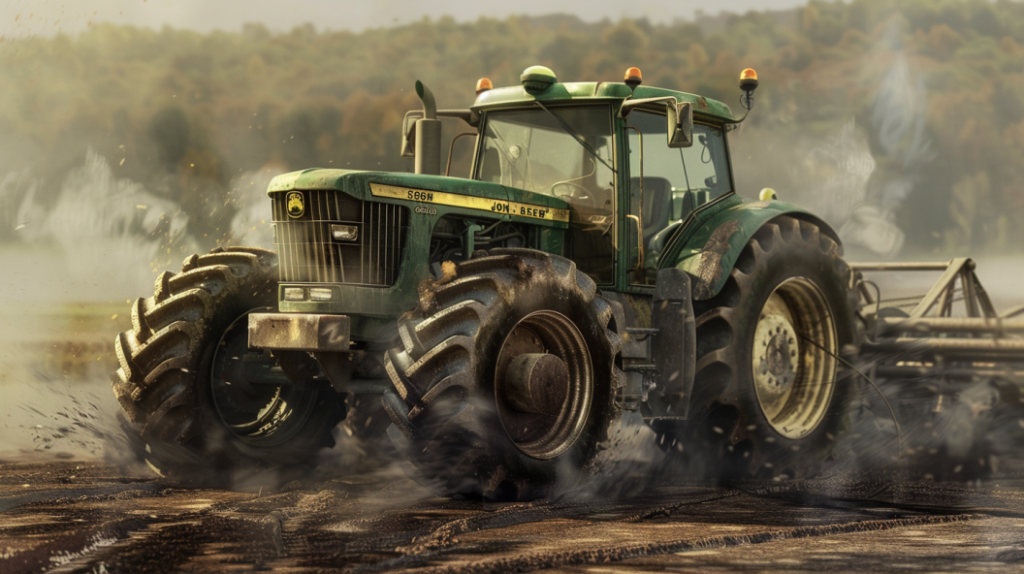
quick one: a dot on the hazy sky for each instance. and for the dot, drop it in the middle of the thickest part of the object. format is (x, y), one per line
(32, 17)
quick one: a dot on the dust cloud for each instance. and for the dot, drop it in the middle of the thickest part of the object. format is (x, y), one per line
(69, 276)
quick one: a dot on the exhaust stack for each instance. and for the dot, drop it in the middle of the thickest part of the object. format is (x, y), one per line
(428, 134)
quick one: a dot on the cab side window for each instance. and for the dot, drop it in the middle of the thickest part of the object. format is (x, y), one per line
(706, 165)
(664, 173)
(676, 181)
(692, 176)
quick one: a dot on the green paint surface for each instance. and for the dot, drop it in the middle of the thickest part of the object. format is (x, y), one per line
(706, 244)
(389, 302)
(721, 231)
(577, 91)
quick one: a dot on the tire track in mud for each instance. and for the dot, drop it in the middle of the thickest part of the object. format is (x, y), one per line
(424, 548)
(441, 543)
(540, 561)
(337, 526)
(602, 552)
(12, 502)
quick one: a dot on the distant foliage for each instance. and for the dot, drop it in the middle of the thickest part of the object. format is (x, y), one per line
(186, 113)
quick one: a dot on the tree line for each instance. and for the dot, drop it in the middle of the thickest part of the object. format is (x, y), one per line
(934, 88)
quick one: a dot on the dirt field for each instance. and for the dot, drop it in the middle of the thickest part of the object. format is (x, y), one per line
(72, 516)
(69, 502)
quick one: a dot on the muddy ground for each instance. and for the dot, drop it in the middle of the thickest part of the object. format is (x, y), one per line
(77, 516)
(70, 501)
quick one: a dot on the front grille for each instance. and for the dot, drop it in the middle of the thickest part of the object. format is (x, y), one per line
(308, 253)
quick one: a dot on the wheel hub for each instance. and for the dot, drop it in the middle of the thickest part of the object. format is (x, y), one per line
(254, 399)
(543, 384)
(776, 349)
(537, 383)
(793, 358)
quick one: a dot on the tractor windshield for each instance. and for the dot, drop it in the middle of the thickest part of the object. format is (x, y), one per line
(566, 152)
(561, 151)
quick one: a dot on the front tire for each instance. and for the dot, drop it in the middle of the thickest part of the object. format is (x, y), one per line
(506, 385)
(192, 407)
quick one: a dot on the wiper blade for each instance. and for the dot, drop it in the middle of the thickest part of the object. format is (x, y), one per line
(579, 139)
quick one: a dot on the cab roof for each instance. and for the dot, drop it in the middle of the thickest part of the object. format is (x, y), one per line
(573, 91)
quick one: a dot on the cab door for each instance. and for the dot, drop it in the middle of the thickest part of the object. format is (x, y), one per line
(677, 182)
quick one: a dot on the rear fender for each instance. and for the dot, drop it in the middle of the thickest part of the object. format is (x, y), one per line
(709, 251)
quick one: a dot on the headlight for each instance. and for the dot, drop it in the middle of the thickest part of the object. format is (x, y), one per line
(294, 294)
(319, 294)
(345, 232)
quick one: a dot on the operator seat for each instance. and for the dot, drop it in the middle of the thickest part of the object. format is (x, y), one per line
(657, 204)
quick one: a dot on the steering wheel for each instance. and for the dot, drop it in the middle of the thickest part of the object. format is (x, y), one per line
(576, 192)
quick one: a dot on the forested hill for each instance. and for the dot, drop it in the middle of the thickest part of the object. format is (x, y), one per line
(914, 106)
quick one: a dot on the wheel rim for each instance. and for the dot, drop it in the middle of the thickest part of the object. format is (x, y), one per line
(245, 396)
(544, 384)
(794, 363)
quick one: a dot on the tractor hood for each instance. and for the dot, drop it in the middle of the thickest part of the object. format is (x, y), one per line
(447, 194)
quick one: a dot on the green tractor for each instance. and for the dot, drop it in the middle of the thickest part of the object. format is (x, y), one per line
(596, 271)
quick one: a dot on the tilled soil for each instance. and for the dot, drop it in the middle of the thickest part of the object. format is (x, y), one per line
(72, 516)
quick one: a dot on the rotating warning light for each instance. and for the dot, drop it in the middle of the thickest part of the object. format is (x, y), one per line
(748, 80)
(482, 85)
(748, 83)
(633, 78)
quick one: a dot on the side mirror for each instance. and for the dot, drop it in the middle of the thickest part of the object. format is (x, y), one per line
(470, 117)
(680, 124)
(678, 114)
(409, 132)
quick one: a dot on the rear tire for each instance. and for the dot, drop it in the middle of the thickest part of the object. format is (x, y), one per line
(182, 383)
(456, 416)
(769, 391)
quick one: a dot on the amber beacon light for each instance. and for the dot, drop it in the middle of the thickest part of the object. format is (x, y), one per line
(748, 83)
(482, 85)
(748, 80)
(633, 78)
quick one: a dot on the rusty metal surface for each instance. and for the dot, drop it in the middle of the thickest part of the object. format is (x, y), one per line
(537, 383)
(990, 325)
(710, 269)
(972, 349)
(77, 516)
(905, 266)
(941, 296)
(299, 332)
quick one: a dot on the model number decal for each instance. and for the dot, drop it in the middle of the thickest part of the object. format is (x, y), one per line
(468, 202)
(420, 195)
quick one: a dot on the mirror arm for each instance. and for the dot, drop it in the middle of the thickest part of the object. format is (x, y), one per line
(629, 104)
(640, 211)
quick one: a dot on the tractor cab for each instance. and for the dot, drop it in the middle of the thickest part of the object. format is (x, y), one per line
(630, 163)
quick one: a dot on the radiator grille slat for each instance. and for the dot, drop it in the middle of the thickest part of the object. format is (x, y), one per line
(309, 253)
